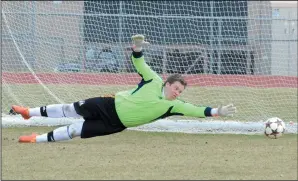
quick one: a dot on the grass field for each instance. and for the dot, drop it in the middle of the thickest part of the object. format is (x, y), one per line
(147, 155)
(253, 104)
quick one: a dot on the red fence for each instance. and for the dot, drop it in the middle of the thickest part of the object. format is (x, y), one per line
(132, 79)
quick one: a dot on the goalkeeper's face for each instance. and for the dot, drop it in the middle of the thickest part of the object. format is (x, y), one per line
(172, 91)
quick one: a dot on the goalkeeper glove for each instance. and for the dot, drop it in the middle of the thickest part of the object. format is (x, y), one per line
(139, 43)
(228, 110)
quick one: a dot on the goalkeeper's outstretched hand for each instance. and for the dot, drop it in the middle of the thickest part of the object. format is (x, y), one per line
(228, 110)
(139, 42)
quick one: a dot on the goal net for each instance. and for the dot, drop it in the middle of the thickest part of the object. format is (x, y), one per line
(241, 52)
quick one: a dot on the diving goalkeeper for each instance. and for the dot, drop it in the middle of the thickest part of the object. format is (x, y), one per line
(150, 100)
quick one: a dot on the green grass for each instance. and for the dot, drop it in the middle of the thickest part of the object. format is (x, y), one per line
(147, 155)
(253, 104)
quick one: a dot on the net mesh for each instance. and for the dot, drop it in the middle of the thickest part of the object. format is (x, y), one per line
(240, 52)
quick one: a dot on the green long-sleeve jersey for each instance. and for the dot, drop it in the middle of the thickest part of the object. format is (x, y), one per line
(146, 103)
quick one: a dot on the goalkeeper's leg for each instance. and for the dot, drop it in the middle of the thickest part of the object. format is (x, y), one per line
(87, 129)
(52, 111)
(59, 134)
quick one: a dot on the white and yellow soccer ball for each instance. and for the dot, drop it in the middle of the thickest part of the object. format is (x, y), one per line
(274, 127)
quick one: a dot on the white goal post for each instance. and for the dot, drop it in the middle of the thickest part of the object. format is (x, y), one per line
(65, 51)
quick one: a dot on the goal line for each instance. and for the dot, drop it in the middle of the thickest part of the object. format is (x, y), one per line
(163, 125)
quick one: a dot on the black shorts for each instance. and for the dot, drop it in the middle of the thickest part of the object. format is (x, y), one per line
(100, 116)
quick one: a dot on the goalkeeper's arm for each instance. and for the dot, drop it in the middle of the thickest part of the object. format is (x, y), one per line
(138, 59)
(188, 109)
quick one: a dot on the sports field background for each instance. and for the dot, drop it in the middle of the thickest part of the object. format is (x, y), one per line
(157, 155)
(143, 155)
(150, 156)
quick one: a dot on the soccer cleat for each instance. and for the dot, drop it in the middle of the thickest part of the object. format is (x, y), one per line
(21, 110)
(28, 139)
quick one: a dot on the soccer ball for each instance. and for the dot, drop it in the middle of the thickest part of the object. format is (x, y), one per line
(274, 128)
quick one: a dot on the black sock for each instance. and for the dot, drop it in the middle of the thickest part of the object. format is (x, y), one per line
(51, 137)
(43, 111)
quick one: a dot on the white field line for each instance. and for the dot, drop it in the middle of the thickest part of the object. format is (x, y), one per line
(164, 125)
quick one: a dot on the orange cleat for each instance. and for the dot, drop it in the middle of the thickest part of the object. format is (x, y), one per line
(21, 110)
(28, 139)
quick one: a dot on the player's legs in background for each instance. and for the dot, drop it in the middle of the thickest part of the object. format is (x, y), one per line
(52, 111)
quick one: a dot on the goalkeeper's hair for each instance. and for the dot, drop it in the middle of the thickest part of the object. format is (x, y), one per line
(176, 78)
